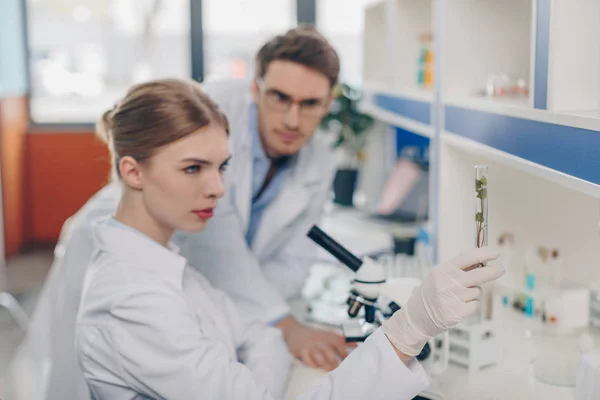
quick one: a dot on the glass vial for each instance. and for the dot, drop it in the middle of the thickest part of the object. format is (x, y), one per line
(481, 205)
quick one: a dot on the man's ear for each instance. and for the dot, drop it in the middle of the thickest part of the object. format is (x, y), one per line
(255, 90)
(328, 102)
(131, 172)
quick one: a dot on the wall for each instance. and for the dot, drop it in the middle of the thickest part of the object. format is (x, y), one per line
(13, 128)
(13, 70)
(534, 210)
(63, 171)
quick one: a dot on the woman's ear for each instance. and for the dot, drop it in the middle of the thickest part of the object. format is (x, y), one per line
(131, 172)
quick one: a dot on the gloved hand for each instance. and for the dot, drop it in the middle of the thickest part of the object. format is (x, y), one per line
(449, 293)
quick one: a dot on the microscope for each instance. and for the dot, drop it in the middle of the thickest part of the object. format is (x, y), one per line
(367, 284)
(369, 288)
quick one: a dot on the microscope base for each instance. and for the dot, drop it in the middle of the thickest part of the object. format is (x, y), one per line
(357, 329)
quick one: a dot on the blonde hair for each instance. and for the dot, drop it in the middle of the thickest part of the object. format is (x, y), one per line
(154, 114)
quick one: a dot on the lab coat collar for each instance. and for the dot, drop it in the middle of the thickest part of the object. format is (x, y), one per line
(306, 165)
(138, 249)
(294, 197)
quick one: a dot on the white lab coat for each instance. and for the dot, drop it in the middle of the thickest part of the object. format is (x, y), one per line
(280, 251)
(149, 326)
(220, 252)
(51, 333)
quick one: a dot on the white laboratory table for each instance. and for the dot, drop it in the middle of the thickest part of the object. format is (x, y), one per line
(361, 233)
(511, 379)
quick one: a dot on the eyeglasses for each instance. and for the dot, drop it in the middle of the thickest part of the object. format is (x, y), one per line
(281, 102)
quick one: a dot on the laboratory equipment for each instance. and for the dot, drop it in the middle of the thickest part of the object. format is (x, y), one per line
(369, 276)
(481, 236)
(425, 63)
(370, 287)
(567, 307)
(475, 343)
(481, 205)
(557, 355)
(507, 284)
(475, 346)
(588, 376)
(595, 307)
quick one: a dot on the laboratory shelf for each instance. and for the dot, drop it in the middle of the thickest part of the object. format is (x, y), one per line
(407, 109)
(560, 152)
(574, 56)
(486, 40)
(375, 61)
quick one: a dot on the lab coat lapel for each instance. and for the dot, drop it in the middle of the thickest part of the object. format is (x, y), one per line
(293, 199)
(242, 172)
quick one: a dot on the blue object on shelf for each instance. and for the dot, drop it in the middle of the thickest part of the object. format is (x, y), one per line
(406, 138)
(530, 284)
(567, 149)
(417, 110)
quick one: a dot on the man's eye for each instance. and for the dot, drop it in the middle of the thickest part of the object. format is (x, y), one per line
(280, 97)
(192, 169)
(311, 103)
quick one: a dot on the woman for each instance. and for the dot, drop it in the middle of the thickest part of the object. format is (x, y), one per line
(151, 327)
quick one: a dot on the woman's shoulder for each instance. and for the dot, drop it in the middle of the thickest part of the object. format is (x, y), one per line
(112, 283)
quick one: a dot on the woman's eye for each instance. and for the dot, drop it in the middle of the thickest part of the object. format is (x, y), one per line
(224, 166)
(192, 169)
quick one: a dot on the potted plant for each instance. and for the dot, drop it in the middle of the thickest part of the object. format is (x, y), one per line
(350, 125)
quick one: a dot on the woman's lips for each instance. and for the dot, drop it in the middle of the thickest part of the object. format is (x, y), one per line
(205, 214)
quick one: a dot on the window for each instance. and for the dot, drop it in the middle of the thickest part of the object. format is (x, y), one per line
(341, 21)
(84, 54)
(234, 30)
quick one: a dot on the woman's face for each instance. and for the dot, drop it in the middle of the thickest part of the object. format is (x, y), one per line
(183, 180)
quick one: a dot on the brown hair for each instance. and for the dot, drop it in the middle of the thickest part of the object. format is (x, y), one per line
(154, 114)
(303, 45)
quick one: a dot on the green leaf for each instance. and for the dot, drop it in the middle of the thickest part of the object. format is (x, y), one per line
(339, 141)
(477, 185)
(345, 120)
(479, 217)
(483, 180)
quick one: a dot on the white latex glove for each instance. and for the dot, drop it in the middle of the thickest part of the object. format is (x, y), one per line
(450, 293)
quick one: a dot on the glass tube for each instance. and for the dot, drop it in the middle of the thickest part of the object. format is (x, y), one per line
(481, 205)
(481, 235)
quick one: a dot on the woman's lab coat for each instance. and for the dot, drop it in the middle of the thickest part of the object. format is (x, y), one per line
(51, 333)
(280, 252)
(151, 326)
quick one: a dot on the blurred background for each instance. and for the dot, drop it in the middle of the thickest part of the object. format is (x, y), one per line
(513, 85)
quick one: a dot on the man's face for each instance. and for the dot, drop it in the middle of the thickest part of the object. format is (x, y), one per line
(291, 100)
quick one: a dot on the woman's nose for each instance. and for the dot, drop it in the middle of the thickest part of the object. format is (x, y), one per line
(216, 186)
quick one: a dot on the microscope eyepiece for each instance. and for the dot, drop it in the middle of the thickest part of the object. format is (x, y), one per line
(334, 248)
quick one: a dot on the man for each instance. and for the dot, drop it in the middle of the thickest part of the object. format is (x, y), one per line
(256, 247)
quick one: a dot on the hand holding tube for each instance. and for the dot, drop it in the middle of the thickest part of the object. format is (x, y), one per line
(450, 293)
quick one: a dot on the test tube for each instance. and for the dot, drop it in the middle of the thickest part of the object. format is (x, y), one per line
(481, 205)
(481, 233)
